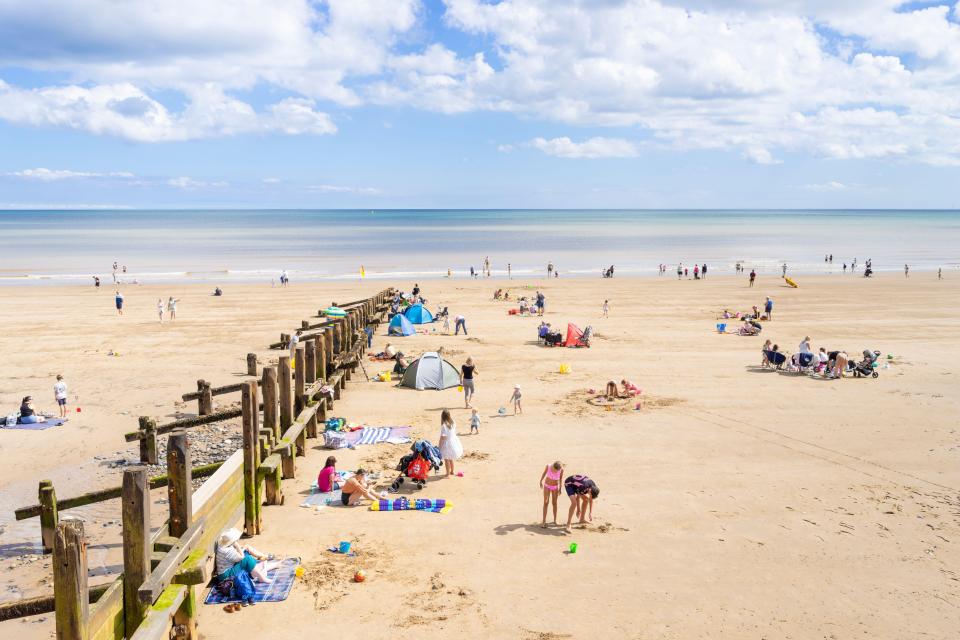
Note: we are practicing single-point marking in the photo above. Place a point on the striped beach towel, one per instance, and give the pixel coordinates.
(376, 435)
(277, 590)
(438, 505)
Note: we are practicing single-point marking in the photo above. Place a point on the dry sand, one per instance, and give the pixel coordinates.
(739, 503)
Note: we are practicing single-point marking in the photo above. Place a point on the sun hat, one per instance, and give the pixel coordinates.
(516, 386)
(228, 537)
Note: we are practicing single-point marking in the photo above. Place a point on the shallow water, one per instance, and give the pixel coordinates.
(230, 245)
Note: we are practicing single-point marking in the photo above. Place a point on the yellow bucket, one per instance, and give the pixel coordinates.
(564, 368)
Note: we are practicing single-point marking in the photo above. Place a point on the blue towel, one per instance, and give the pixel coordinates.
(276, 591)
(38, 426)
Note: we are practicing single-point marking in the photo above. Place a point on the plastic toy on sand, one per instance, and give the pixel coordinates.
(573, 547)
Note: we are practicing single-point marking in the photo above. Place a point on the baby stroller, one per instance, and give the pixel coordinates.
(865, 368)
(416, 465)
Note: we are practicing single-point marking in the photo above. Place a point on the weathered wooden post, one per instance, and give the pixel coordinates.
(205, 400)
(185, 618)
(300, 379)
(135, 506)
(179, 484)
(269, 384)
(251, 462)
(304, 325)
(71, 598)
(310, 370)
(286, 393)
(319, 357)
(251, 364)
(48, 514)
(148, 440)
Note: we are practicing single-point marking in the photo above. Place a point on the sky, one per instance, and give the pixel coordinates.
(376, 104)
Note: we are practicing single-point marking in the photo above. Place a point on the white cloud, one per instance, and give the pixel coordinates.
(333, 188)
(591, 148)
(49, 175)
(184, 182)
(832, 185)
(760, 155)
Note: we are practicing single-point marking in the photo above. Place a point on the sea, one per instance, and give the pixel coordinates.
(244, 245)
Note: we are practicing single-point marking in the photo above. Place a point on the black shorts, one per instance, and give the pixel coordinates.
(62, 402)
(346, 498)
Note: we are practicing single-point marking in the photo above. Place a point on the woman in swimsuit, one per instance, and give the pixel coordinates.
(550, 481)
(582, 491)
(355, 489)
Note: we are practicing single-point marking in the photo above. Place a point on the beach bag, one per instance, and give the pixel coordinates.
(243, 588)
(418, 468)
(334, 440)
(225, 587)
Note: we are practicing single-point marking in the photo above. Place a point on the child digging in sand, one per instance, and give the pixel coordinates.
(550, 481)
(515, 399)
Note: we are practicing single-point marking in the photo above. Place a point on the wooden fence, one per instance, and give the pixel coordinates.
(156, 596)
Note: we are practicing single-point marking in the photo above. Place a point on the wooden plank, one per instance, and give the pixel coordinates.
(156, 624)
(160, 578)
(270, 464)
(185, 423)
(71, 599)
(106, 616)
(136, 543)
(111, 493)
(42, 604)
(180, 486)
(214, 391)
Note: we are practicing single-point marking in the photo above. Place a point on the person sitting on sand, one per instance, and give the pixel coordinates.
(611, 392)
(523, 306)
(28, 415)
(355, 489)
(402, 363)
(232, 558)
(582, 491)
(823, 360)
(389, 351)
(498, 294)
(750, 328)
(327, 480)
(550, 481)
(630, 389)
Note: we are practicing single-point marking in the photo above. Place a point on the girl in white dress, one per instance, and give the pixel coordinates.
(450, 447)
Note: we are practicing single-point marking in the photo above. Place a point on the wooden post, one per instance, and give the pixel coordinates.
(185, 618)
(287, 463)
(148, 440)
(328, 350)
(300, 378)
(269, 384)
(251, 516)
(251, 364)
(311, 428)
(179, 486)
(310, 371)
(48, 514)
(286, 393)
(337, 338)
(205, 401)
(135, 506)
(71, 600)
(304, 324)
(319, 357)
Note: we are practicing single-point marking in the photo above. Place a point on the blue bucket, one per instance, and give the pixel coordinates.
(344, 547)
(721, 327)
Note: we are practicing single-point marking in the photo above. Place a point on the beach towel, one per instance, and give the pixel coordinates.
(276, 591)
(320, 499)
(376, 435)
(38, 426)
(418, 504)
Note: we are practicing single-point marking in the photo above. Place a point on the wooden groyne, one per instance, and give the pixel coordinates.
(155, 598)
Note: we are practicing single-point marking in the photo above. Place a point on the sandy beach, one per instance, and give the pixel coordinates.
(739, 502)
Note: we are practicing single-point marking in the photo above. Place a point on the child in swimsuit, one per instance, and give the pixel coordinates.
(550, 481)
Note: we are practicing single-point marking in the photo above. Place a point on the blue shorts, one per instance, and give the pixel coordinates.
(62, 402)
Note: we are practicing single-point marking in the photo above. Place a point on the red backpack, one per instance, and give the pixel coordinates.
(418, 468)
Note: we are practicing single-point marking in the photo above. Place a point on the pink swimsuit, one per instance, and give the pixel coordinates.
(554, 475)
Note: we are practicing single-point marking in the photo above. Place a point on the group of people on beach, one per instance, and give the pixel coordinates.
(831, 364)
(699, 271)
(581, 490)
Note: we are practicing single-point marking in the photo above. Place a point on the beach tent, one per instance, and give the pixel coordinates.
(418, 314)
(400, 326)
(573, 336)
(430, 371)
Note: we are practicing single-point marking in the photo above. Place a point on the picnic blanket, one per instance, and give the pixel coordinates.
(321, 499)
(438, 505)
(38, 426)
(276, 591)
(376, 435)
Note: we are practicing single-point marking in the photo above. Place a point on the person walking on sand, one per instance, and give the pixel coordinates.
(768, 308)
(606, 308)
(450, 448)
(160, 308)
(474, 422)
(679, 270)
(118, 301)
(467, 371)
(703, 270)
(515, 399)
(753, 276)
(939, 273)
(906, 271)
(294, 341)
(784, 269)
(486, 266)
(172, 308)
(509, 272)
(60, 395)
(96, 283)
(550, 481)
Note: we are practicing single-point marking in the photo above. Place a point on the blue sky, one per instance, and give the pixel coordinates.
(464, 103)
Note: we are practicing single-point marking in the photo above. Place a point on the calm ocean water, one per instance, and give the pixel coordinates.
(220, 245)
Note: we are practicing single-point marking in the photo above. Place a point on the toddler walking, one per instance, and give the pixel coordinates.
(475, 422)
(515, 399)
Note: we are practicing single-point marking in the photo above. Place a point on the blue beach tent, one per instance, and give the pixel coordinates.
(418, 314)
(400, 326)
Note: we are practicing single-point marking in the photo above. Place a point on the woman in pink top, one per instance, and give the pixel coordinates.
(550, 481)
(327, 480)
